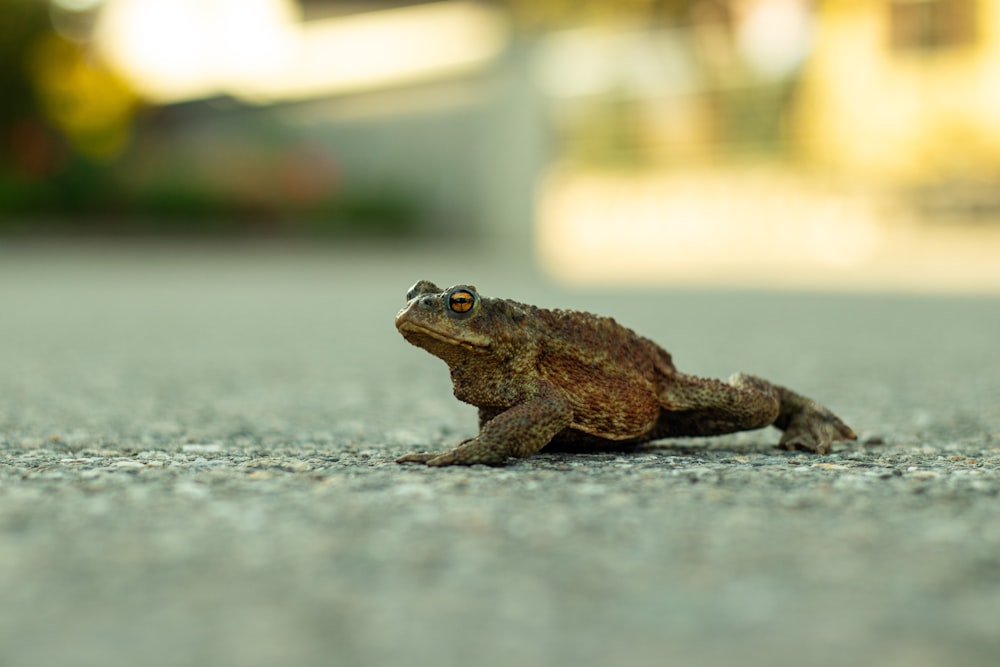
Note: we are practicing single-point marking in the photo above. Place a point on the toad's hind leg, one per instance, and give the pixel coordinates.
(701, 406)
(696, 406)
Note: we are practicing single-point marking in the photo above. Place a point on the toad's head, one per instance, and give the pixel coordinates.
(456, 323)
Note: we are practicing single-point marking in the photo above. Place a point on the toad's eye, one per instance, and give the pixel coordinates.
(461, 301)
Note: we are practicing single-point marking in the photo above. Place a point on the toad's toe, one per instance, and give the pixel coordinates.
(417, 457)
(815, 430)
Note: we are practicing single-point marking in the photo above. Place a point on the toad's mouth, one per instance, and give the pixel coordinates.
(412, 330)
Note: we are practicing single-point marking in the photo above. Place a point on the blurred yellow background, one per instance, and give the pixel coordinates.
(754, 143)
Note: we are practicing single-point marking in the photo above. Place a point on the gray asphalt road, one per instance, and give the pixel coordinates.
(196, 453)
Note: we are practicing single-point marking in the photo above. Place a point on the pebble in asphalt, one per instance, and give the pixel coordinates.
(196, 467)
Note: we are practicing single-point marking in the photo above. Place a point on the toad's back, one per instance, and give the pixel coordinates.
(613, 376)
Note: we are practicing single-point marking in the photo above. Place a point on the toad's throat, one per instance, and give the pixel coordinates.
(412, 330)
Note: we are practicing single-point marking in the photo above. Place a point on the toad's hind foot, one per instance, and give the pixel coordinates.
(813, 428)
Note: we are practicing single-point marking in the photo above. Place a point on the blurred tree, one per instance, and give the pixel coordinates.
(24, 21)
(62, 117)
(87, 102)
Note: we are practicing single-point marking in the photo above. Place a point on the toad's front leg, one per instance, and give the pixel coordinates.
(520, 431)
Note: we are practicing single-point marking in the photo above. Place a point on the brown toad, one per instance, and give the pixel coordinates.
(565, 377)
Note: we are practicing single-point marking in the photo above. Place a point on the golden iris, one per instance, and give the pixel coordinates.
(461, 301)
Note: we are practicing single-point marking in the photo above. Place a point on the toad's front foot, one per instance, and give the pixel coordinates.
(468, 453)
(814, 428)
(418, 457)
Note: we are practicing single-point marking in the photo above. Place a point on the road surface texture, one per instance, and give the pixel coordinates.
(196, 468)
